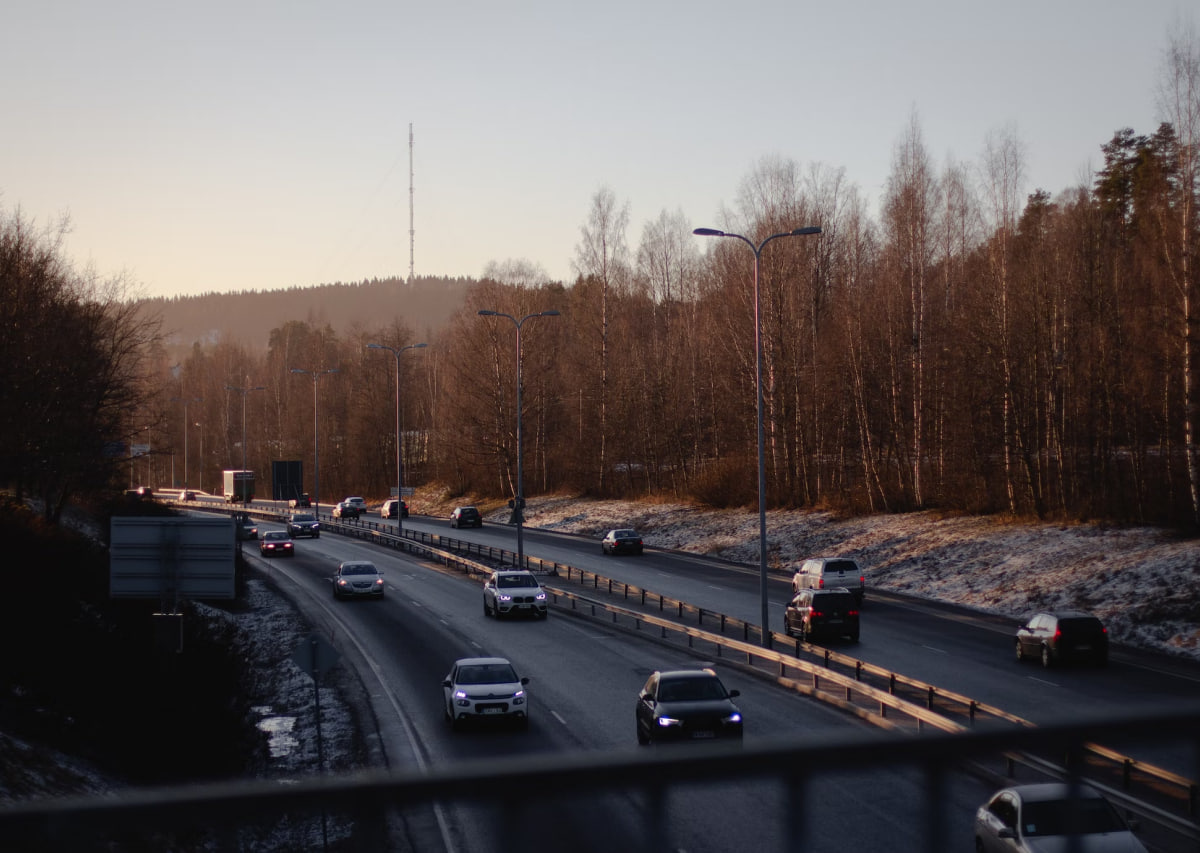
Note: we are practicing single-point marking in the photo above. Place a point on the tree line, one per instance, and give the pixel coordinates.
(974, 348)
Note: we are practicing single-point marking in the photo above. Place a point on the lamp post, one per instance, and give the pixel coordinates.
(758, 383)
(519, 498)
(244, 392)
(399, 460)
(200, 477)
(185, 401)
(315, 374)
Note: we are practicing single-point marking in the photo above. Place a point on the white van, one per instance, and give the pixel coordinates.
(831, 572)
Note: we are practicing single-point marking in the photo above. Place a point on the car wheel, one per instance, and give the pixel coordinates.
(1020, 654)
(456, 723)
(316, 536)
(854, 638)
(642, 739)
(486, 610)
(1102, 659)
(523, 723)
(1047, 658)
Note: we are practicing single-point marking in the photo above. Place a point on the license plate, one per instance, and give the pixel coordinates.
(491, 711)
(1083, 647)
(522, 606)
(702, 734)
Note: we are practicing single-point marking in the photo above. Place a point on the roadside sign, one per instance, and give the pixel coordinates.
(315, 655)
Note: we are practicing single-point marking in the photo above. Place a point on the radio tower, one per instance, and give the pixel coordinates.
(411, 232)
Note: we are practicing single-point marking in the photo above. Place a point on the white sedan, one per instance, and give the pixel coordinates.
(1043, 817)
(483, 689)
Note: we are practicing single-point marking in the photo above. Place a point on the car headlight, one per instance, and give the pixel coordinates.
(504, 596)
(541, 596)
(378, 581)
(733, 718)
(667, 722)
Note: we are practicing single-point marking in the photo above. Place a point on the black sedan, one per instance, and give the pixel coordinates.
(686, 705)
(304, 524)
(623, 541)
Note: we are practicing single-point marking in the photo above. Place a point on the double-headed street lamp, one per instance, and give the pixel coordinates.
(758, 382)
(519, 499)
(399, 461)
(244, 392)
(315, 374)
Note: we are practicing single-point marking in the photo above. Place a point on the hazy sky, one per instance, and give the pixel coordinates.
(255, 145)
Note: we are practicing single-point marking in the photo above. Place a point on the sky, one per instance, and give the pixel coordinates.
(263, 144)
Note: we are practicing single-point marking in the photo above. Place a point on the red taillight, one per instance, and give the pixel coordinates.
(821, 583)
(1057, 634)
(815, 612)
(862, 580)
(852, 613)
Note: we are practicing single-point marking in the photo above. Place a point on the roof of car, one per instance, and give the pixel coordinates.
(685, 673)
(1050, 791)
(472, 661)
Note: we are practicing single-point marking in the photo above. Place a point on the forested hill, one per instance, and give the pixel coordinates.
(247, 317)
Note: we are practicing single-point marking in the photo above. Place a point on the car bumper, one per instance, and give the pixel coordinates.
(521, 609)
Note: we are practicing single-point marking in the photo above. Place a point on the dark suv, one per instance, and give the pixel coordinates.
(466, 516)
(822, 612)
(1062, 636)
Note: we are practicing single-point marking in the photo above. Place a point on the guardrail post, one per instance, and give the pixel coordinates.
(971, 711)
(892, 684)
(929, 699)
(858, 670)
(828, 657)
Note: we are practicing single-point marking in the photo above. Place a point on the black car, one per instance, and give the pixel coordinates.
(466, 516)
(1063, 636)
(623, 541)
(304, 524)
(822, 613)
(686, 705)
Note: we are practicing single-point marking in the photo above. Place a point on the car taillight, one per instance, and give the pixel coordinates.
(815, 612)
(1057, 634)
(862, 580)
(821, 583)
(852, 612)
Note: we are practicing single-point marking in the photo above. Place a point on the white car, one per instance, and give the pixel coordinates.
(350, 508)
(514, 593)
(481, 689)
(1034, 818)
(830, 573)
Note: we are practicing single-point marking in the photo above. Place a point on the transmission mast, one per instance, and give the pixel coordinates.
(411, 231)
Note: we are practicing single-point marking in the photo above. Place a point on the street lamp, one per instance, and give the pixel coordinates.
(244, 392)
(758, 382)
(185, 401)
(200, 477)
(519, 498)
(399, 462)
(315, 374)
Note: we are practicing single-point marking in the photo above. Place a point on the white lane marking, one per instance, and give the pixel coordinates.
(933, 649)
(1043, 681)
(557, 717)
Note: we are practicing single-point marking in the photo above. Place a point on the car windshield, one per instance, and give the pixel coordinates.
(690, 690)
(1053, 817)
(624, 534)
(516, 580)
(487, 673)
(303, 518)
(359, 569)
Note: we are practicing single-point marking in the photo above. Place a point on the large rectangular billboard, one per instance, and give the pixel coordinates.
(172, 558)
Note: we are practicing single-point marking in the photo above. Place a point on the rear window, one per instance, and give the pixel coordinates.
(1077, 627)
(840, 600)
(841, 566)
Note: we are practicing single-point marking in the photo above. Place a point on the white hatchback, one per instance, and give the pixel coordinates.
(482, 689)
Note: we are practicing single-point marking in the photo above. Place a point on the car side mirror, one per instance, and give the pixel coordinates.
(525, 680)
(733, 693)
(446, 683)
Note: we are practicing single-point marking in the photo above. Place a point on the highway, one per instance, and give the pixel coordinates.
(585, 677)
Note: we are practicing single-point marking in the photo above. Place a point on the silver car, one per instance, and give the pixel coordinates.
(358, 579)
(1029, 818)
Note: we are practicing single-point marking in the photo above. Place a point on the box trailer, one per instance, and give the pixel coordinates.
(239, 486)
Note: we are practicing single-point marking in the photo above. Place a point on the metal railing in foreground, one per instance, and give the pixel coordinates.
(518, 784)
